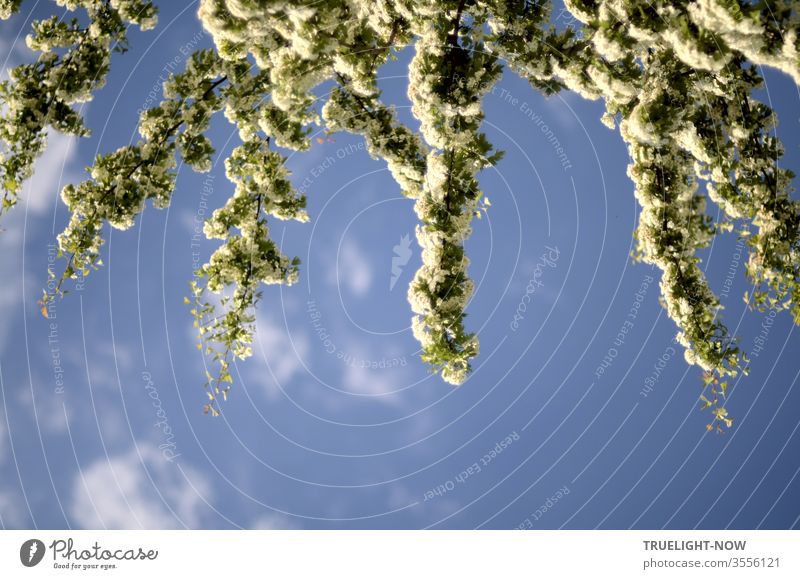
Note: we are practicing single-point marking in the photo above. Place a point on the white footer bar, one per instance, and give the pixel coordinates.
(406, 554)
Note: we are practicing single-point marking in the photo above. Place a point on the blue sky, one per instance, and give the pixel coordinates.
(335, 423)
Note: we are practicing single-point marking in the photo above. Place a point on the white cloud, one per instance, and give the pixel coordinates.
(352, 269)
(375, 384)
(118, 493)
(51, 172)
(375, 369)
(273, 521)
(13, 52)
(282, 352)
(3, 439)
(110, 360)
(49, 412)
(11, 272)
(39, 193)
(560, 107)
(11, 511)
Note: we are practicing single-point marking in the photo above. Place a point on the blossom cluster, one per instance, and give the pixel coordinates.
(448, 76)
(73, 61)
(677, 78)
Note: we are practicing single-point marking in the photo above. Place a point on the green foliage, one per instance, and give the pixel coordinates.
(677, 79)
(72, 63)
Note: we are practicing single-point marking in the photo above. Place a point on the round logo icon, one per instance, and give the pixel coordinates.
(31, 553)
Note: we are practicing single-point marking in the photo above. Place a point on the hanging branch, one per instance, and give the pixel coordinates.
(677, 79)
